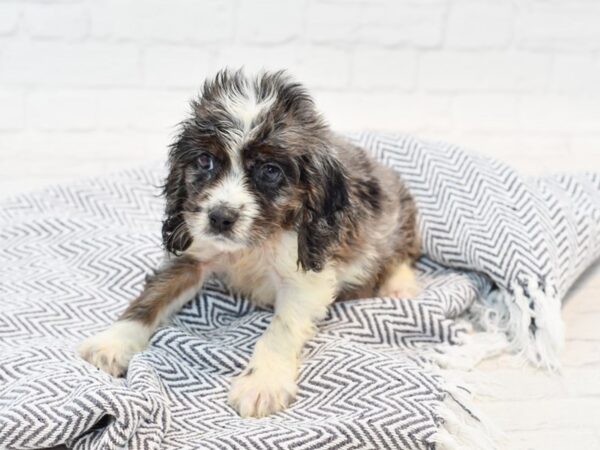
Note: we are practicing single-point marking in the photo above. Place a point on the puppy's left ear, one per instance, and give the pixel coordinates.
(324, 210)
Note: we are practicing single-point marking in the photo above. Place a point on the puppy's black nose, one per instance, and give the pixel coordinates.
(222, 219)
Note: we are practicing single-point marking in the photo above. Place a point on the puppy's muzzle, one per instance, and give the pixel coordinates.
(222, 219)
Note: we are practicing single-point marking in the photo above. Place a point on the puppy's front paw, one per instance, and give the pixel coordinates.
(257, 393)
(111, 349)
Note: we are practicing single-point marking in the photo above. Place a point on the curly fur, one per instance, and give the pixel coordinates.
(262, 193)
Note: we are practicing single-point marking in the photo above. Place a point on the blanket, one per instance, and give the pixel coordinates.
(499, 250)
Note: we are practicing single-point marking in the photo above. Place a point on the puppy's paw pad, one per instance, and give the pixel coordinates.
(111, 350)
(254, 394)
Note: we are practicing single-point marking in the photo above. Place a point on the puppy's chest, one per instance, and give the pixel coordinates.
(260, 272)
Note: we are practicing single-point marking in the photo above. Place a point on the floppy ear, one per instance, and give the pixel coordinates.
(323, 211)
(175, 234)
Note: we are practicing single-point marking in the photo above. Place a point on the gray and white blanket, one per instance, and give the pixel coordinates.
(499, 249)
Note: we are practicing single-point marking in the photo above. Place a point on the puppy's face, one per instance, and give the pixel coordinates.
(252, 160)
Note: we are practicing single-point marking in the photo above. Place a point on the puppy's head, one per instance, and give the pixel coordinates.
(254, 159)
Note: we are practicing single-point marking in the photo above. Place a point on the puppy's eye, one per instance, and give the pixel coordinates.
(270, 173)
(206, 162)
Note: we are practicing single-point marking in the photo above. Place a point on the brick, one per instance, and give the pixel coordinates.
(575, 72)
(77, 153)
(176, 66)
(9, 18)
(175, 21)
(567, 113)
(487, 112)
(529, 153)
(254, 24)
(475, 24)
(255, 58)
(70, 64)
(62, 110)
(142, 110)
(58, 157)
(559, 25)
(411, 113)
(333, 22)
(57, 20)
(392, 23)
(384, 69)
(12, 110)
(477, 71)
(324, 67)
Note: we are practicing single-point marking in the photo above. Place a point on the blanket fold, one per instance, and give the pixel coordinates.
(531, 237)
(49, 397)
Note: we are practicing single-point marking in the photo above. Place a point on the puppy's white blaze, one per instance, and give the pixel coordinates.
(245, 107)
(233, 192)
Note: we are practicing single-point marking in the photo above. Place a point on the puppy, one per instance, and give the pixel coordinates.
(263, 194)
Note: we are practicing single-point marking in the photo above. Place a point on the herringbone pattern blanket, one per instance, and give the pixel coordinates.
(502, 248)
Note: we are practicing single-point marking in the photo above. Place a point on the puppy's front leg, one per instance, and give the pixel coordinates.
(165, 292)
(268, 384)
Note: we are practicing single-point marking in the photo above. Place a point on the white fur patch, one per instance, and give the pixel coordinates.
(232, 191)
(269, 385)
(111, 349)
(245, 106)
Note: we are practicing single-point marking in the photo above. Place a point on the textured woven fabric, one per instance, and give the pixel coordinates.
(71, 257)
(531, 237)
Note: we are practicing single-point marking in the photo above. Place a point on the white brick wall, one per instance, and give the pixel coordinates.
(94, 85)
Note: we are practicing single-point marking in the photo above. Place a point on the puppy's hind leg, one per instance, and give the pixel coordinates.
(165, 292)
(401, 282)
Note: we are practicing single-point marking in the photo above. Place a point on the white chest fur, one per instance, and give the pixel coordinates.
(260, 272)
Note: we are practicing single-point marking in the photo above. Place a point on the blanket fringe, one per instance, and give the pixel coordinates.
(529, 317)
(459, 427)
(473, 348)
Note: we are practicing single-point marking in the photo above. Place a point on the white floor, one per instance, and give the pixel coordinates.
(538, 411)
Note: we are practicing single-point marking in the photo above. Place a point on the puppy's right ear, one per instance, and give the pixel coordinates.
(175, 234)
(324, 209)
